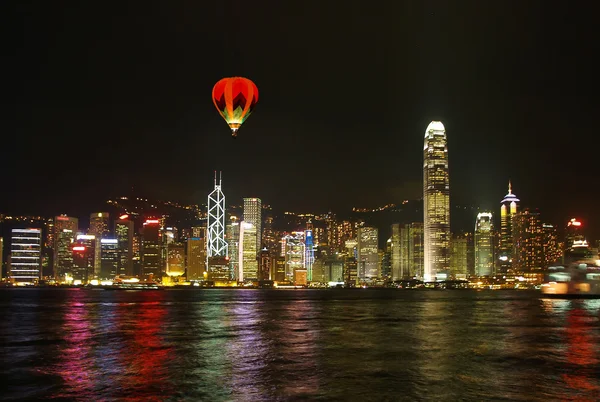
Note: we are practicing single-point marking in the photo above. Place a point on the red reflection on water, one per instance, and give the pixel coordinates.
(75, 357)
(146, 358)
(580, 352)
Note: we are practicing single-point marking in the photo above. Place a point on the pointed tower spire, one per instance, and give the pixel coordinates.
(509, 187)
(220, 177)
(215, 178)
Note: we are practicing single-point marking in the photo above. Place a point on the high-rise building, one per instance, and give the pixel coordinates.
(83, 264)
(573, 232)
(61, 223)
(550, 245)
(175, 259)
(528, 242)
(124, 234)
(99, 227)
(508, 209)
(150, 251)
(368, 253)
(109, 258)
(63, 258)
(309, 254)
(25, 255)
(412, 249)
(484, 251)
(86, 257)
(264, 265)
(436, 202)
(216, 244)
(458, 258)
(232, 235)
(196, 258)
(294, 252)
(395, 252)
(253, 215)
(248, 256)
(99, 224)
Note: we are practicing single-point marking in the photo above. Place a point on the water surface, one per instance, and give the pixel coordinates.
(269, 345)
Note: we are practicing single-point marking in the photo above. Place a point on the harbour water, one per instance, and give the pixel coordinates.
(272, 345)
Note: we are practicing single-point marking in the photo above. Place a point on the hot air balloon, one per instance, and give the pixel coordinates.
(235, 98)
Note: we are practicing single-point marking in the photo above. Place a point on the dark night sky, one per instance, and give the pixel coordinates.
(99, 97)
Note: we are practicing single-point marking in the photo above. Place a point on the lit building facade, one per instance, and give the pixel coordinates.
(109, 258)
(309, 253)
(484, 251)
(232, 235)
(83, 264)
(528, 242)
(459, 247)
(26, 255)
(99, 227)
(550, 245)
(508, 210)
(395, 252)
(63, 259)
(294, 253)
(368, 253)
(248, 255)
(61, 223)
(573, 232)
(196, 258)
(175, 259)
(124, 234)
(151, 249)
(436, 202)
(412, 251)
(216, 244)
(253, 215)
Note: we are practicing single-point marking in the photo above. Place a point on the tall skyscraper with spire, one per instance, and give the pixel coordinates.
(436, 202)
(215, 238)
(507, 211)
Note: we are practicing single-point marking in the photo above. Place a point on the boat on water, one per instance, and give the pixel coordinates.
(578, 277)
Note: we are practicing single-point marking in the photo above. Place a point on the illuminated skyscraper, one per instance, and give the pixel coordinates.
(551, 247)
(232, 236)
(109, 258)
(216, 244)
(25, 255)
(248, 256)
(294, 252)
(395, 255)
(86, 256)
(253, 215)
(99, 228)
(484, 252)
(368, 253)
(507, 211)
(528, 242)
(309, 254)
(573, 232)
(62, 222)
(411, 251)
(150, 250)
(175, 259)
(124, 234)
(99, 224)
(83, 264)
(459, 246)
(436, 201)
(63, 259)
(196, 258)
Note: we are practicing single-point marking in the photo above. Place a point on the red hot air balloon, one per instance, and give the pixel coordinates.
(235, 99)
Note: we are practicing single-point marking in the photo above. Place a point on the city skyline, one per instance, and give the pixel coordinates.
(524, 97)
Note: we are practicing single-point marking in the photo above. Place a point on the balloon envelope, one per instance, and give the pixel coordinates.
(235, 98)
